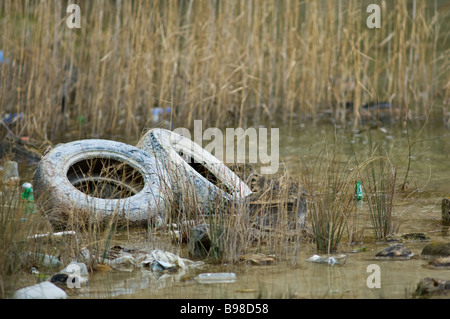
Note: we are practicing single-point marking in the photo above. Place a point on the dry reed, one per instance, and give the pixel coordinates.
(219, 61)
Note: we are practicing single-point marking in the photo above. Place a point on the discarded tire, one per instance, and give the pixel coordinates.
(100, 178)
(196, 175)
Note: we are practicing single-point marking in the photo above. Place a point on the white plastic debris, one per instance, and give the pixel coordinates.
(332, 260)
(122, 261)
(216, 278)
(74, 266)
(58, 234)
(43, 290)
(160, 260)
(46, 260)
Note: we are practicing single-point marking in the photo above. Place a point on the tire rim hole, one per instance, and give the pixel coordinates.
(105, 178)
(205, 172)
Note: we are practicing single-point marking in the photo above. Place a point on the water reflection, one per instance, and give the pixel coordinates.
(418, 208)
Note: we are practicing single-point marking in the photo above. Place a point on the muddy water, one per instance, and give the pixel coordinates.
(419, 210)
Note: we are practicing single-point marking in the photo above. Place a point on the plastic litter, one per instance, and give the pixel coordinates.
(43, 290)
(358, 191)
(159, 260)
(12, 118)
(58, 234)
(2, 58)
(46, 260)
(73, 275)
(80, 266)
(216, 278)
(160, 111)
(332, 260)
(11, 173)
(28, 197)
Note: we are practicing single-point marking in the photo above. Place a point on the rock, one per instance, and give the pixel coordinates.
(396, 251)
(400, 238)
(441, 262)
(446, 210)
(258, 259)
(43, 290)
(433, 250)
(430, 287)
(415, 237)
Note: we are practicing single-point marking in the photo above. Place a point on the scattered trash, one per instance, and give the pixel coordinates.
(124, 263)
(45, 260)
(358, 191)
(3, 60)
(216, 278)
(43, 290)
(158, 112)
(27, 195)
(332, 260)
(159, 260)
(34, 271)
(395, 251)
(190, 183)
(12, 118)
(57, 234)
(81, 266)
(101, 177)
(11, 173)
(74, 274)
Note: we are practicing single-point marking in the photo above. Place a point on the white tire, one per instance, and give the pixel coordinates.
(184, 160)
(102, 178)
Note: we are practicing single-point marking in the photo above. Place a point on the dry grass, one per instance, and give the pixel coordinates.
(218, 61)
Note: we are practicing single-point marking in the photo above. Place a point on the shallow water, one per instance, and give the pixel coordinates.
(419, 210)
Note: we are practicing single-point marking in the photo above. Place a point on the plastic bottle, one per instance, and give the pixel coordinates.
(28, 197)
(216, 278)
(358, 191)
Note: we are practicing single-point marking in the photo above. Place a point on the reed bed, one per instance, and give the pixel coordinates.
(219, 61)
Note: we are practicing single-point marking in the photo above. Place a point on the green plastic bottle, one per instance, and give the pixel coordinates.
(358, 191)
(28, 197)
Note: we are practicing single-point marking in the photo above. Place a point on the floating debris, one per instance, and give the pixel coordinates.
(58, 234)
(332, 260)
(216, 278)
(43, 290)
(159, 260)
